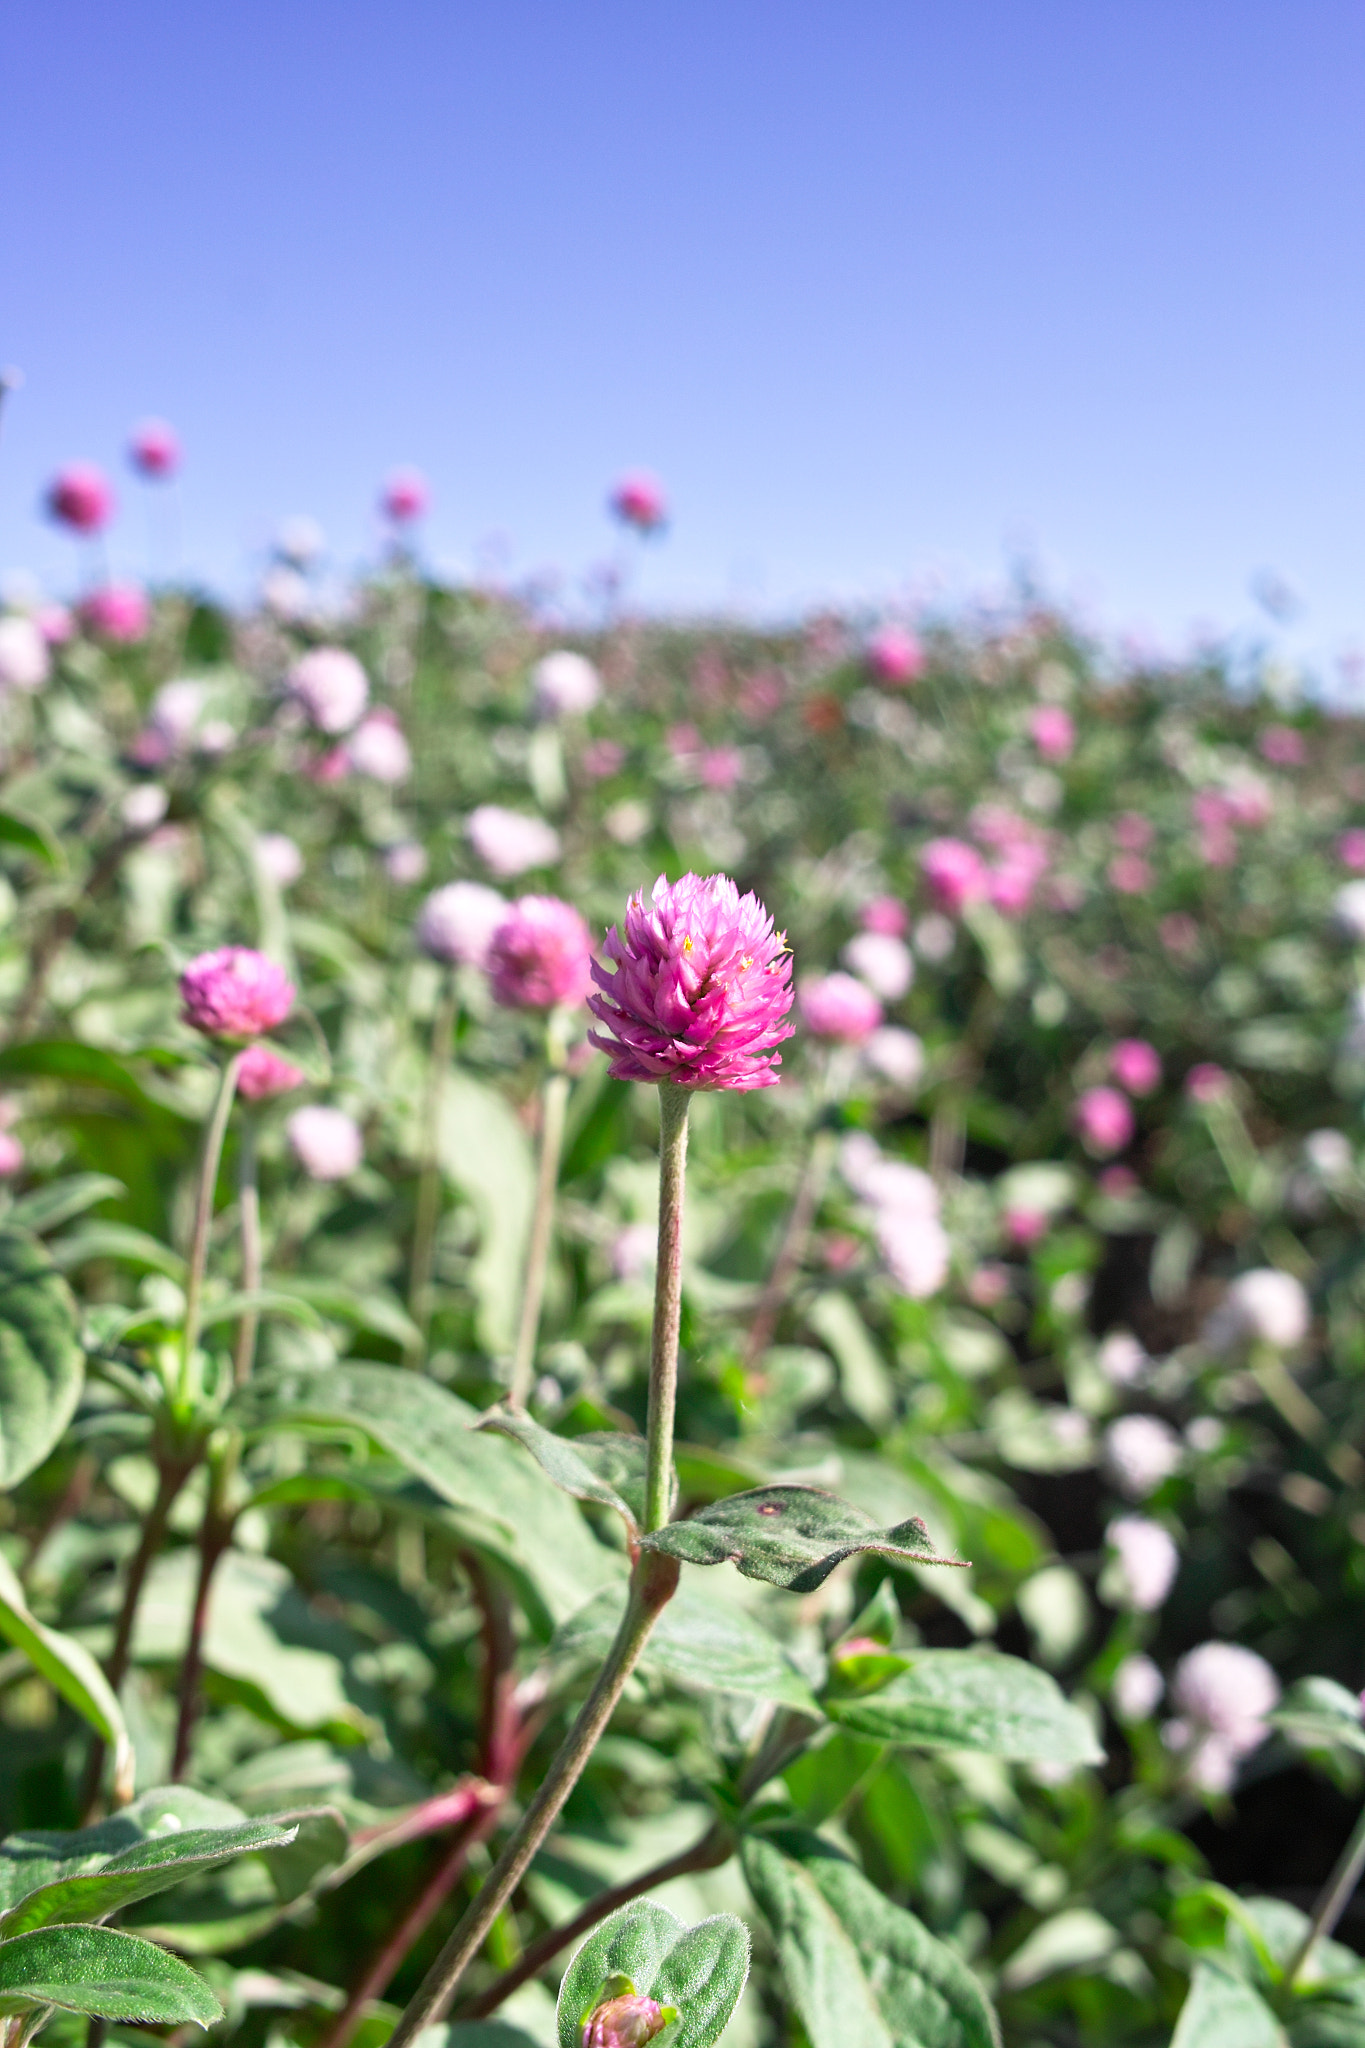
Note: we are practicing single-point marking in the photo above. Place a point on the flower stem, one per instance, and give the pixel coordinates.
(653, 1584)
(1332, 1900)
(215, 1535)
(554, 1104)
(674, 1104)
(249, 1223)
(214, 1133)
(428, 1214)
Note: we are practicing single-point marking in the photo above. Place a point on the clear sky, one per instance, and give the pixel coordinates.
(882, 289)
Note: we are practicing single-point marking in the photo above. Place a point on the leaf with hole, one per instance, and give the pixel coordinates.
(42, 1365)
(70, 1670)
(792, 1536)
(974, 1699)
(699, 1970)
(103, 1972)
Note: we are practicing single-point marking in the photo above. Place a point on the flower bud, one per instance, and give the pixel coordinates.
(624, 2018)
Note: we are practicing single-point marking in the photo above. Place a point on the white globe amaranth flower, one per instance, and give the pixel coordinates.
(1146, 1561)
(456, 924)
(1141, 1451)
(25, 663)
(916, 1251)
(1264, 1306)
(565, 684)
(1329, 1155)
(405, 862)
(1224, 1692)
(883, 961)
(510, 842)
(144, 806)
(904, 1202)
(377, 748)
(327, 1143)
(935, 936)
(896, 1055)
(1136, 1688)
(176, 710)
(331, 687)
(279, 857)
(300, 540)
(1122, 1359)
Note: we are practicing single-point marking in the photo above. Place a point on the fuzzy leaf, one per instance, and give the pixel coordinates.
(69, 1669)
(137, 1872)
(792, 1536)
(701, 1970)
(98, 1970)
(699, 1642)
(42, 1366)
(603, 1466)
(974, 1699)
(1223, 2012)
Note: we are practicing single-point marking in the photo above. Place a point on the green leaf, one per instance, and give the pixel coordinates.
(792, 1536)
(32, 838)
(701, 1970)
(65, 1059)
(603, 1466)
(486, 1152)
(230, 1308)
(70, 1670)
(476, 2034)
(47, 1207)
(1320, 1714)
(42, 1365)
(118, 1241)
(138, 1872)
(974, 1699)
(862, 1972)
(228, 1905)
(863, 1377)
(363, 1308)
(699, 1642)
(1223, 2012)
(100, 1971)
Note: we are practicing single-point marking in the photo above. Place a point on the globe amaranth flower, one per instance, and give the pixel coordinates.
(1141, 1451)
(1146, 1561)
(540, 957)
(279, 857)
(81, 497)
(1104, 1121)
(1224, 1693)
(884, 914)
(1052, 731)
(565, 684)
(25, 663)
(638, 500)
(838, 1008)
(883, 961)
(955, 873)
(327, 1143)
(1136, 1066)
(406, 496)
(118, 612)
(378, 748)
(1264, 1306)
(154, 450)
(456, 924)
(895, 657)
(235, 993)
(510, 842)
(330, 686)
(701, 988)
(896, 1055)
(264, 1072)
(1136, 1688)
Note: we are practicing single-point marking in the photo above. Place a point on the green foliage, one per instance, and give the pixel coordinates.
(700, 1971)
(960, 1699)
(793, 1536)
(41, 1363)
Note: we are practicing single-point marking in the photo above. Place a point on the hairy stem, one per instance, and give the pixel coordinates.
(1332, 1900)
(674, 1104)
(792, 1250)
(428, 1214)
(214, 1133)
(215, 1535)
(653, 1583)
(554, 1104)
(249, 1223)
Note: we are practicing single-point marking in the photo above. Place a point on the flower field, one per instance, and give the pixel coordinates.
(972, 1638)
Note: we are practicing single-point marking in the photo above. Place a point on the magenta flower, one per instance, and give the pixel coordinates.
(1130, 874)
(81, 497)
(235, 993)
(639, 501)
(701, 990)
(955, 872)
(895, 657)
(1282, 746)
(1351, 849)
(1104, 1121)
(264, 1073)
(628, 2021)
(1206, 1082)
(405, 497)
(541, 955)
(1136, 1066)
(11, 1155)
(119, 611)
(1132, 832)
(838, 1008)
(1053, 732)
(885, 914)
(154, 450)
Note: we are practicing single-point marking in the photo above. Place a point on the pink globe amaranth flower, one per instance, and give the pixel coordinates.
(1118, 1183)
(1141, 1451)
(378, 749)
(1351, 849)
(1103, 1120)
(1227, 1690)
(81, 497)
(456, 924)
(1053, 732)
(154, 449)
(701, 990)
(1282, 746)
(331, 687)
(405, 863)
(280, 858)
(540, 957)
(682, 740)
(1132, 832)
(405, 497)
(565, 684)
(1206, 1082)
(1024, 1227)
(1130, 874)
(955, 873)
(603, 758)
(510, 842)
(885, 914)
(1179, 933)
(327, 1143)
(1136, 1687)
(1136, 1066)
(1010, 887)
(55, 623)
(721, 767)
(235, 993)
(11, 1155)
(265, 1072)
(25, 663)
(118, 612)
(839, 1008)
(885, 963)
(895, 657)
(638, 500)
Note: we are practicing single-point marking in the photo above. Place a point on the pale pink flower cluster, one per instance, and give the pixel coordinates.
(1147, 1561)
(510, 842)
(1141, 1451)
(330, 687)
(235, 993)
(1224, 1693)
(904, 1204)
(279, 857)
(885, 915)
(1053, 732)
(1206, 1083)
(955, 874)
(701, 988)
(456, 924)
(25, 663)
(1218, 813)
(327, 1143)
(1263, 1306)
(565, 684)
(1283, 746)
(405, 496)
(839, 1009)
(1136, 1688)
(1351, 849)
(896, 1055)
(540, 957)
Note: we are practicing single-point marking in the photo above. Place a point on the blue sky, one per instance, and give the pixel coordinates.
(885, 291)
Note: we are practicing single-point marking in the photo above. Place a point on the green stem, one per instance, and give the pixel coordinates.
(428, 1214)
(555, 1103)
(249, 1223)
(674, 1104)
(1333, 1899)
(215, 1535)
(214, 1134)
(653, 1583)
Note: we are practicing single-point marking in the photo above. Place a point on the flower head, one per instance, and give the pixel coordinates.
(264, 1073)
(701, 990)
(1052, 731)
(1104, 1121)
(154, 449)
(565, 684)
(896, 1055)
(895, 657)
(234, 993)
(1146, 1559)
(279, 857)
(955, 873)
(885, 914)
(81, 497)
(24, 659)
(626, 2019)
(378, 749)
(883, 961)
(326, 1142)
(509, 842)
(1225, 1692)
(1141, 1451)
(1263, 1306)
(839, 1008)
(405, 497)
(331, 687)
(1136, 1687)
(456, 924)
(541, 955)
(638, 501)
(119, 611)
(1351, 849)
(1136, 1066)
